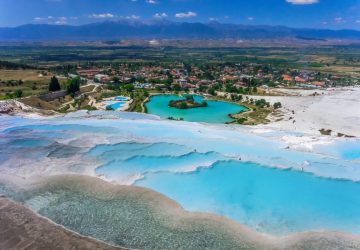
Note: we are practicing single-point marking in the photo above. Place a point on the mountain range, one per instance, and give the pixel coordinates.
(165, 30)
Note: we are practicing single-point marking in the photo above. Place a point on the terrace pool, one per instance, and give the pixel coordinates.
(224, 170)
(269, 200)
(117, 103)
(121, 98)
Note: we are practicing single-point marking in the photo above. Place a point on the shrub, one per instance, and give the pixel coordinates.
(18, 93)
(277, 105)
(73, 86)
(241, 120)
(183, 105)
(54, 84)
(261, 103)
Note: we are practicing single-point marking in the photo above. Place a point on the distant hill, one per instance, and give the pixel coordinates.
(165, 30)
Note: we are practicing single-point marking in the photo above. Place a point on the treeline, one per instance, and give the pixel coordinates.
(72, 85)
(13, 66)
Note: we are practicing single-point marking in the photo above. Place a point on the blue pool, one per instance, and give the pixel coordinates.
(269, 200)
(216, 112)
(120, 98)
(116, 105)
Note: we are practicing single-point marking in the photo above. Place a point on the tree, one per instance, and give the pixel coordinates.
(18, 93)
(211, 91)
(187, 67)
(202, 88)
(230, 88)
(73, 85)
(129, 88)
(177, 87)
(277, 105)
(260, 103)
(183, 105)
(146, 93)
(54, 84)
(116, 80)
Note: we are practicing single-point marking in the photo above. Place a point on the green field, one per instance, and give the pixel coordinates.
(339, 59)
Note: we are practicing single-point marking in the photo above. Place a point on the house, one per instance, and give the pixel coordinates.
(204, 82)
(190, 86)
(102, 78)
(227, 78)
(89, 73)
(72, 75)
(298, 79)
(143, 85)
(318, 84)
(182, 82)
(287, 78)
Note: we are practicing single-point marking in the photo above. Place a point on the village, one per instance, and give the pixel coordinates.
(237, 78)
(129, 86)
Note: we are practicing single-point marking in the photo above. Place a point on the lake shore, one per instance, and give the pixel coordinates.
(20, 220)
(20, 229)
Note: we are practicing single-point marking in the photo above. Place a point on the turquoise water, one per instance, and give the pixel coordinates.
(349, 149)
(116, 105)
(269, 200)
(197, 165)
(117, 102)
(216, 112)
(120, 98)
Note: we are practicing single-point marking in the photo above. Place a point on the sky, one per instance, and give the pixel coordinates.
(330, 14)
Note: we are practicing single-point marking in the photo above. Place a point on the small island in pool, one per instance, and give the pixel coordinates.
(187, 103)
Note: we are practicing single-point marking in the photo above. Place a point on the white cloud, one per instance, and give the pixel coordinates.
(52, 20)
(133, 17)
(357, 21)
(102, 16)
(160, 15)
(60, 22)
(185, 15)
(339, 20)
(250, 18)
(151, 1)
(302, 2)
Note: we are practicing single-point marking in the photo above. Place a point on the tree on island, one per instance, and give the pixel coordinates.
(54, 84)
(183, 105)
(187, 103)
